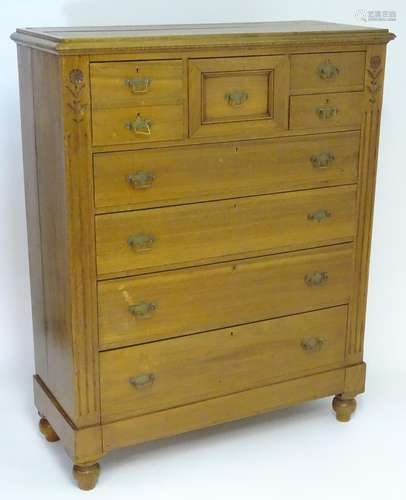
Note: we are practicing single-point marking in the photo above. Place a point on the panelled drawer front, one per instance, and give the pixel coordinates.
(137, 102)
(324, 112)
(174, 303)
(327, 72)
(145, 239)
(238, 96)
(151, 377)
(177, 175)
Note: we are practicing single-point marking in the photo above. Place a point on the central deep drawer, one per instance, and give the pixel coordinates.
(174, 303)
(177, 236)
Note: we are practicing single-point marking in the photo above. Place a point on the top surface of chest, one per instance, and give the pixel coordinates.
(120, 38)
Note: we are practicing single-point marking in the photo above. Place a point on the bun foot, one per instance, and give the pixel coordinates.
(86, 475)
(344, 408)
(47, 430)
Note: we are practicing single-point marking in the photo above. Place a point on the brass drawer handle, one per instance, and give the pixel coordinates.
(236, 98)
(141, 179)
(142, 380)
(138, 85)
(326, 112)
(319, 215)
(142, 310)
(316, 278)
(328, 70)
(140, 126)
(322, 160)
(141, 242)
(312, 344)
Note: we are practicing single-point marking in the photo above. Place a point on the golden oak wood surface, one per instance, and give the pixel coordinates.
(327, 72)
(172, 176)
(213, 108)
(113, 126)
(181, 235)
(209, 297)
(248, 152)
(147, 378)
(221, 409)
(200, 36)
(322, 112)
(129, 84)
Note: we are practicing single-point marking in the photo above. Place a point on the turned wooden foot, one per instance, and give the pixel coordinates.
(86, 475)
(344, 408)
(47, 430)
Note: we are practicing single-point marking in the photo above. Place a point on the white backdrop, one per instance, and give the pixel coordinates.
(281, 455)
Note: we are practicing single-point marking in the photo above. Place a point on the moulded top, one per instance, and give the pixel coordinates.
(91, 39)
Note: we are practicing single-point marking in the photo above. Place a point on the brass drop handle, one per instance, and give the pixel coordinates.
(326, 112)
(138, 85)
(142, 310)
(327, 70)
(319, 215)
(141, 242)
(142, 380)
(236, 98)
(312, 344)
(316, 278)
(140, 126)
(322, 160)
(141, 179)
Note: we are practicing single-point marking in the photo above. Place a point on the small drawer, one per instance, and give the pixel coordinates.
(327, 72)
(238, 96)
(136, 102)
(152, 377)
(325, 112)
(130, 84)
(137, 124)
(172, 176)
(132, 242)
(175, 303)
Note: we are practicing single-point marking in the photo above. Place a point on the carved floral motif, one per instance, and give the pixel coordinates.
(79, 108)
(374, 72)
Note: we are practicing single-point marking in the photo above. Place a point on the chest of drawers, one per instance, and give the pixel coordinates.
(199, 207)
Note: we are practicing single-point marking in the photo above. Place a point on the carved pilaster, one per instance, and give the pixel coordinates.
(375, 62)
(82, 258)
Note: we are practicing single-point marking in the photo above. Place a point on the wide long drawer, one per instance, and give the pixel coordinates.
(142, 379)
(173, 303)
(141, 240)
(170, 176)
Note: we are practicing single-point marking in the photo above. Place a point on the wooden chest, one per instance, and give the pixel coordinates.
(199, 207)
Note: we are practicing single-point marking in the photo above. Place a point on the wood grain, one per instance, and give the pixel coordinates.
(305, 77)
(106, 40)
(227, 170)
(303, 111)
(208, 297)
(219, 410)
(81, 281)
(367, 180)
(32, 209)
(219, 362)
(206, 232)
(110, 125)
(238, 280)
(266, 107)
(109, 88)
